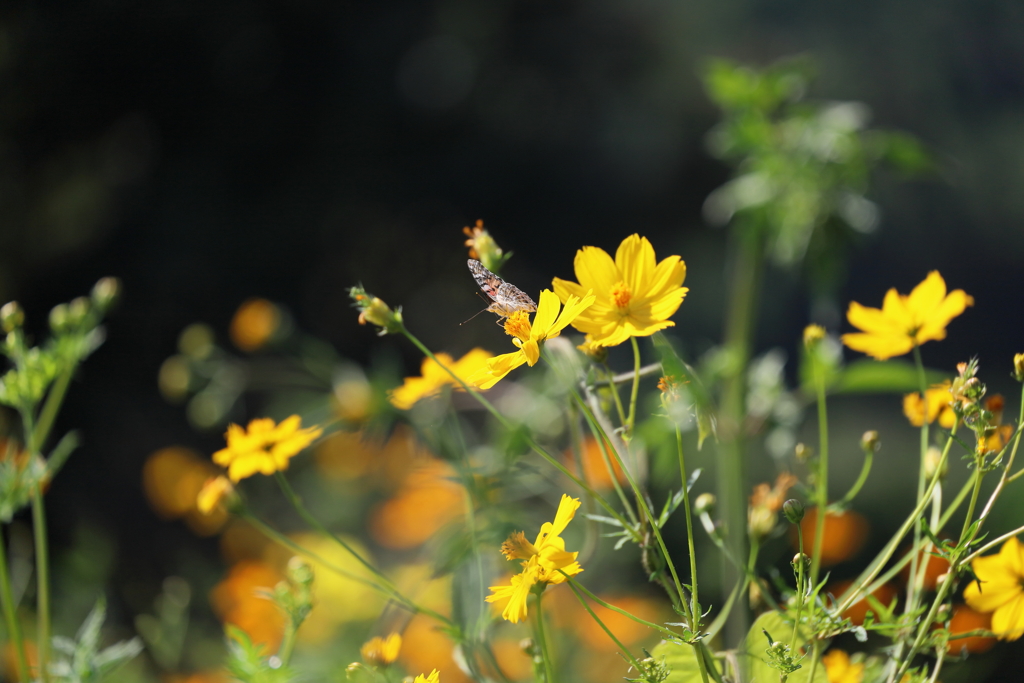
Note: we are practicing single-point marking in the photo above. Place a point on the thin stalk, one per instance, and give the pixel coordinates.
(821, 482)
(615, 393)
(625, 651)
(1003, 480)
(799, 585)
(695, 606)
(635, 391)
(42, 582)
(869, 457)
(576, 441)
(288, 642)
(913, 588)
(470, 513)
(542, 640)
(11, 616)
(50, 409)
(603, 448)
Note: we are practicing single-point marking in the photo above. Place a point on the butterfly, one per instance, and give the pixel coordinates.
(507, 297)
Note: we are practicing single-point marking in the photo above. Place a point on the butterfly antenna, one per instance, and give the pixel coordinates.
(473, 316)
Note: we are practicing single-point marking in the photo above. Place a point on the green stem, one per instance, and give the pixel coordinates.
(11, 616)
(576, 438)
(287, 643)
(800, 590)
(42, 582)
(869, 457)
(615, 394)
(913, 589)
(821, 482)
(631, 420)
(695, 603)
(542, 640)
(599, 438)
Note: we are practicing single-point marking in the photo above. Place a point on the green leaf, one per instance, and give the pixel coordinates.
(681, 661)
(882, 377)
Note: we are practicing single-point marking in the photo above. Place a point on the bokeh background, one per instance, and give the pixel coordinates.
(208, 153)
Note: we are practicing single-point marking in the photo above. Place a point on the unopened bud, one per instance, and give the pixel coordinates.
(705, 503)
(932, 462)
(105, 293)
(812, 335)
(869, 443)
(794, 510)
(761, 521)
(802, 452)
(353, 669)
(11, 316)
(1018, 367)
(373, 310)
(300, 571)
(801, 558)
(528, 647)
(77, 310)
(59, 317)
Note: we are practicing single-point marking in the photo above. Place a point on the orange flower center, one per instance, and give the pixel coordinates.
(621, 295)
(518, 325)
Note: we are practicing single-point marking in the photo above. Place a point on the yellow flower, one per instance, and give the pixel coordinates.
(541, 561)
(434, 377)
(840, 669)
(254, 324)
(813, 334)
(635, 295)
(214, 492)
(434, 677)
(1001, 589)
(905, 321)
(381, 651)
(264, 447)
(938, 398)
(547, 324)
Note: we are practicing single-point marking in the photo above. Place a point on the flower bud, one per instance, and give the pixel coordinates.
(761, 521)
(802, 452)
(78, 309)
(217, 492)
(801, 558)
(59, 318)
(812, 335)
(105, 293)
(300, 571)
(11, 316)
(869, 443)
(1018, 367)
(483, 247)
(705, 503)
(353, 669)
(375, 311)
(794, 510)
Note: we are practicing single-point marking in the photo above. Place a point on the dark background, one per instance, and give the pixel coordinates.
(289, 150)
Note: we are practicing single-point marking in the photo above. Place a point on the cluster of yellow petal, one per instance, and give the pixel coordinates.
(938, 399)
(840, 669)
(434, 677)
(379, 651)
(1000, 589)
(543, 562)
(905, 321)
(635, 295)
(549, 321)
(263, 447)
(434, 377)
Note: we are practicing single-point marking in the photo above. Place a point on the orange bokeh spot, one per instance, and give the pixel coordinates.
(10, 666)
(859, 610)
(237, 600)
(172, 478)
(426, 501)
(845, 534)
(595, 472)
(514, 663)
(937, 566)
(624, 628)
(198, 677)
(425, 647)
(965, 619)
(255, 322)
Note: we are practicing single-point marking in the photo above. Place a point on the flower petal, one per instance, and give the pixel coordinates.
(566, 288)
(878, 346)
(547, 313)
(926, 297)
(636, 262)
(496, 369)
(573, 308)
(874, 320)
(934, 325)
(596, 270)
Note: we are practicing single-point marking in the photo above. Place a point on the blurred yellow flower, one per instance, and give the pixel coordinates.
(172, 479)
(840, 669)
(905, 321)
(427, 500)
(1000, 589)
(426, 646)
(254, 323)
(435, 377)
(541, 561)
(938, 398)
(213, 494)
(379, 651)
(432, 678)
(547, 324)
(264, 447)
(635, 295)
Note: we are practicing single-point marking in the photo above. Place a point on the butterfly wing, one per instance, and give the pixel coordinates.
(490, 283)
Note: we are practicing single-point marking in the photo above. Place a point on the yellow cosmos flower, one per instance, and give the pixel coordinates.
(434, 677)
(541, 561)
(938, 398)
(434, 377)
(905, 321)
(379, 651)
(547, 324)
(840, 669)
(1001, 589)
(263, 447)
(635, 295)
